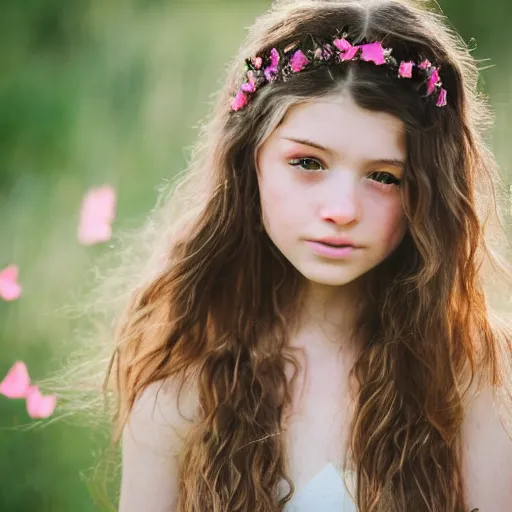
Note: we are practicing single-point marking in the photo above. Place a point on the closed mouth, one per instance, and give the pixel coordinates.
(332, 245)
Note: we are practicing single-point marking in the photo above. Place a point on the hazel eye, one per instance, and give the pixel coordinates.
(387, 178)
(307, 164)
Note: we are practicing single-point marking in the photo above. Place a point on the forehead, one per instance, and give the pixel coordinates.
(339, 124)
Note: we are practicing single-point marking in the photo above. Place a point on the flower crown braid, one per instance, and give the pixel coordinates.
(276, 65)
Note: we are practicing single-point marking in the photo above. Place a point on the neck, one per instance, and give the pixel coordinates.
(326, 317)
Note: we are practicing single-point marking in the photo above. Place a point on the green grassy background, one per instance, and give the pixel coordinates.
(95, 92)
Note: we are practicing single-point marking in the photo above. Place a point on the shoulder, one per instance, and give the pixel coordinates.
(486, 453)
(151, 444)
(163, 412)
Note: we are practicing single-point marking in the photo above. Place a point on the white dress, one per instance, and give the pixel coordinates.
(325, 492)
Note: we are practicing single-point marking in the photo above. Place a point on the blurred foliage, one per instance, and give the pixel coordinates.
(93, 92)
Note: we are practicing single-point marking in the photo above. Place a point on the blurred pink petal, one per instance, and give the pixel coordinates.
(9, 288)
(95, 233)
(96, 216)
(16, 383)
(39, 406)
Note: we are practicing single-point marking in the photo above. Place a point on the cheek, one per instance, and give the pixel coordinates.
(393, 226)
(279, 203)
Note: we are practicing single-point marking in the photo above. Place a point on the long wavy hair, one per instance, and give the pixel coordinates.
(213, 306)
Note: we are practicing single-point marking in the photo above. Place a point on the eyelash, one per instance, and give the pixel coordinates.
(296, 162)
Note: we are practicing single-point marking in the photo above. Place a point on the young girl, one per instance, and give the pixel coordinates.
(317, 335)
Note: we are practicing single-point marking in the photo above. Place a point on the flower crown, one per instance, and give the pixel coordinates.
(280, 66)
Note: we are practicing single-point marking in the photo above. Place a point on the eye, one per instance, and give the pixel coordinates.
(306, 164)
(386, 179)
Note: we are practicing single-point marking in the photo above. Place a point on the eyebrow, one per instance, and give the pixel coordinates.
(380, 161)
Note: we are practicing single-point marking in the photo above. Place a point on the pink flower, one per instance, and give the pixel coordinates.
(328, 51)
(319, 54)
(349, 54)
(298, 61)
(249, 86)
(405, 69)
(274, 58)
(348, 51)
(239, 101)
(96, 215)
(425, 64)
(39, 406)
(16, 383)
(9, 288)
(271, 71)
(342, 44)
(432, 81)
(257, 61)
(373, 52)
(441, 100)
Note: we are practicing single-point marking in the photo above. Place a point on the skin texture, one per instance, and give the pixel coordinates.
(339, 195)
(342, 190)
(336, 193)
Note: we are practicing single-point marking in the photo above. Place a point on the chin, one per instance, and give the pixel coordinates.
(330, 277)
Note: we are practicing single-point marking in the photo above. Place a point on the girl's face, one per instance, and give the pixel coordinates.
(331, 169)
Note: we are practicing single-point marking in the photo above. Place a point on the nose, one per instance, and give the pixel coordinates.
(341, 203)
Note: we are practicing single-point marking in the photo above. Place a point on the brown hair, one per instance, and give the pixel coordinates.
(214, 308)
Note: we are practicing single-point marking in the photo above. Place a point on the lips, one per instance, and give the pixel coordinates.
(334, 241)
(338, 252)
(333, 245)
